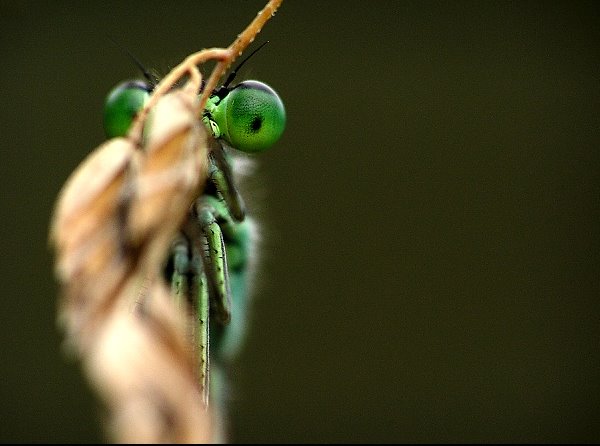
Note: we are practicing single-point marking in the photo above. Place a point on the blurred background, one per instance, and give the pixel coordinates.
(430, 246)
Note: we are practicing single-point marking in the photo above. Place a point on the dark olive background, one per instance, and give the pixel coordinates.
(430, 267)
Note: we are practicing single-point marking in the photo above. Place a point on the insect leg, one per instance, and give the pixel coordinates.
(179, 279)
(209, 211)
(202, 306)
(222, 178)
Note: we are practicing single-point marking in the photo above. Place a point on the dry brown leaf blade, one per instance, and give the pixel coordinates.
(86, 231)
(112, 228)
(88, 202)
(173, 167)
(140, 362)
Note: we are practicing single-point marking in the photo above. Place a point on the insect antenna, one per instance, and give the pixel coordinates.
(150, 77)
(223, 89)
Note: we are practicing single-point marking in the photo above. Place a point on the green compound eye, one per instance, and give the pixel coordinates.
(122, 104)
(251, 117)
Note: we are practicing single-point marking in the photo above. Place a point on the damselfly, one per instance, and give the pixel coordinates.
(208, 268)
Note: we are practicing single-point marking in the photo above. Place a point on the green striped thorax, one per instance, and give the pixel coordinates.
(250, 116)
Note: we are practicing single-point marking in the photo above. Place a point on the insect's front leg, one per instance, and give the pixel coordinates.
(181, 267)
(221, 178)
(189, 288)
(200, 293)
(211, 212)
